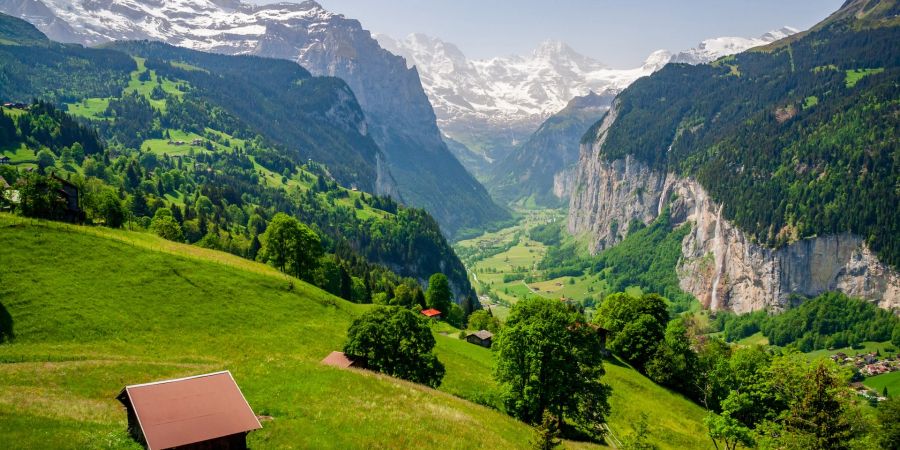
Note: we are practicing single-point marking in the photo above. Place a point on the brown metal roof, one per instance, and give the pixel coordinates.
(483, 335)
(338, 359)
(184, 411)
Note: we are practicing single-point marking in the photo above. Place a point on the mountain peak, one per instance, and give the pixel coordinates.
(657, 60)
(552, 47)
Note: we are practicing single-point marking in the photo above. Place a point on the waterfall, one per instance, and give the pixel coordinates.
(719, 260)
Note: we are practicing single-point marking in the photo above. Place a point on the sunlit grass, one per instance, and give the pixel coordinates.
(854, 75)
(95, 309)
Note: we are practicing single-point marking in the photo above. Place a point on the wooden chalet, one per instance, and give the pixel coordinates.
(4, 160)
(432, 314)
(483, 338)
(70, 195)
(196, 413)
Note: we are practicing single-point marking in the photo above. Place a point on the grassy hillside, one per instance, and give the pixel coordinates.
(93, 310)
(675, 421)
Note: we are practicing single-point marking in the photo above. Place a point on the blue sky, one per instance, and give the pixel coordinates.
(620, 33)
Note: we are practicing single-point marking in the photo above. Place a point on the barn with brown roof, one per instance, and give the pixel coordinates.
(201, 412)
(344, 361)
(483, 338)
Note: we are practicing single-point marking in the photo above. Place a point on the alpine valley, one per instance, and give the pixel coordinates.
(494, 105)
(227, 224)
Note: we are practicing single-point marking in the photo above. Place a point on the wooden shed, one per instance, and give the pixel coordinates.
(344, 361)
(483, 338)
(202, 412)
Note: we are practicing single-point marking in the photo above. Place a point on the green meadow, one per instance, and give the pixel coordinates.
(889, 381)
(92, 311)
(89, 310)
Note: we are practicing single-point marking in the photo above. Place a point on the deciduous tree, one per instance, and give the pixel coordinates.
(398, 342)
(548, 359)
(438, 295)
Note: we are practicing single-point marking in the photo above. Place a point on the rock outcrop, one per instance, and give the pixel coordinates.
(720, 265)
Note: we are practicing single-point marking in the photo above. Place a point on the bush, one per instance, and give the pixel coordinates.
(167, 228)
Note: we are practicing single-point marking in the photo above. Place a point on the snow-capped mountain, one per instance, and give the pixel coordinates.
(713, 49)
(514, 95)
(226, 26)
(417, 167)
(517, 92)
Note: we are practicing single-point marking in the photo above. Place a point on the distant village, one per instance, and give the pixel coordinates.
(868, 365)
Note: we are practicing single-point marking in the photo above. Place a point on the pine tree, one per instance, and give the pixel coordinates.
(547, 436)
(820, 413)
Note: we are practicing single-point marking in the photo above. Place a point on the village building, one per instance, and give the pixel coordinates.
(432, 314)
(483, 338)
(4, 160)
(69, 194)
(8, 196)
(343, 361)
(201, 412)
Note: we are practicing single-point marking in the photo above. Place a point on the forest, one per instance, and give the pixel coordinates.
(831, 320)
(222, 194)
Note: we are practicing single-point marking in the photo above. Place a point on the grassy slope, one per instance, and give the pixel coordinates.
(83, 331)
(94, 108)
(675, 422)
(93, 313)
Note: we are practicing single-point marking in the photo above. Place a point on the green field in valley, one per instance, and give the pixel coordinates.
(891, 381)
(885, 348)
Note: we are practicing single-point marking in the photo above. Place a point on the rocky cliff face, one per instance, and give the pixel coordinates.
(720, 265)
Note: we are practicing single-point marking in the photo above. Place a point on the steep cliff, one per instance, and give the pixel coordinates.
(784, 159)
(721, 265)
(540, 168)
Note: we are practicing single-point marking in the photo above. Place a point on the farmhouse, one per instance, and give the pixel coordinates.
(4, 160)
(344, 361)
(483, 338)
(68, 192)
(432, 314)
(201, 412)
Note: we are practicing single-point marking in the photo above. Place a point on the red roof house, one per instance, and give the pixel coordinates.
(201, 412)
(432, 313)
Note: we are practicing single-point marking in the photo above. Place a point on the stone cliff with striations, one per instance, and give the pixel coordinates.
(720, 265)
